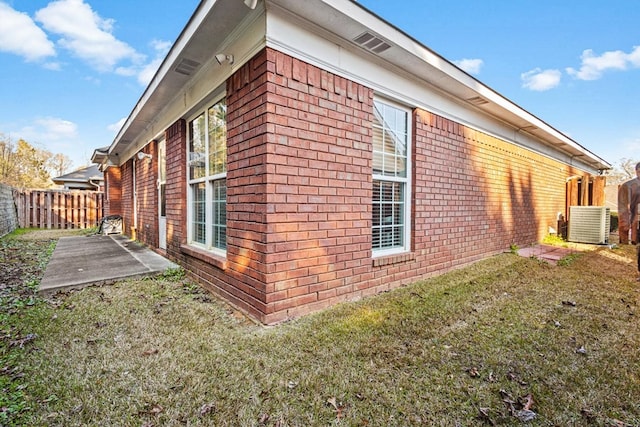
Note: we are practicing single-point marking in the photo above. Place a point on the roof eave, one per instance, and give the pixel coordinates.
(347, 19)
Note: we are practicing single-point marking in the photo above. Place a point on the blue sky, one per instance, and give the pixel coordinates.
(72, 70)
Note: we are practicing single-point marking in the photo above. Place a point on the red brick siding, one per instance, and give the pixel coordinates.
(175, 189)
(473, 196)
(248, 133)
(319, 188)
(147, 195)
(127, 197)
(113, 191)
(484, 193)
(299, 191)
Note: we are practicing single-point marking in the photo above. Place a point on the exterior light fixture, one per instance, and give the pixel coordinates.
(142, 155)
(221, 57)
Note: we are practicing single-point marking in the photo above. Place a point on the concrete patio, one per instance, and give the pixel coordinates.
(97, 260)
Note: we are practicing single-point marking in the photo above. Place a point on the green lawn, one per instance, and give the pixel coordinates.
(501, 341)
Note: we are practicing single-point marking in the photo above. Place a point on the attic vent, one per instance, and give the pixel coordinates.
(186, 66)
(478, 100)
(372, 42)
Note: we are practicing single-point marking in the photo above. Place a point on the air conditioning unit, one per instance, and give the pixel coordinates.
(589, 224)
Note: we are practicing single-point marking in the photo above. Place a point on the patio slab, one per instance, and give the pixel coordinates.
(98, 260)
(548, 253)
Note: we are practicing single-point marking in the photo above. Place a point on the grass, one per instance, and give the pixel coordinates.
(477, 346)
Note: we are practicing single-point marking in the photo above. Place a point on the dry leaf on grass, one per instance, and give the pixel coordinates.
(23, 341)
(473, 372)
(528, 402)
(525, 415)
(618, 423)
(207, 408)
(154, 410)
(484, 415)
(520, 409)
(337, 407)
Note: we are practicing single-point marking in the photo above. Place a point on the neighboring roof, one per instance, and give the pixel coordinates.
(216, 22)
(101, 157)
(86, 177)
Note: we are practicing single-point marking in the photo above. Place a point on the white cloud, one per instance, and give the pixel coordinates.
(161, 46)
(632, 145)
(540, 80)
(148, 71)
(146, 74)
(471, 66)
(86, 34)
(21, 36)
(56, 129)
(53, 66)
(115, 127)
(594, 66)
(53, 134)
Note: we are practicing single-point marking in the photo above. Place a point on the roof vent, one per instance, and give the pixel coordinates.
(372, 42)
(478, 100)
(186, 66)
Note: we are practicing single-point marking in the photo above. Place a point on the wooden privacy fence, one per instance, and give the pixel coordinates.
(59, 209)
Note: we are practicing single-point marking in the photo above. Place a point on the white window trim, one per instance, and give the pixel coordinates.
(408, 196)
(208, 180)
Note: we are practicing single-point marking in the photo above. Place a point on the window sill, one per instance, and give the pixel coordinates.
(393, 259)
(206, 256)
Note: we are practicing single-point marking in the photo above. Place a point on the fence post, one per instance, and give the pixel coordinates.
(48, 208)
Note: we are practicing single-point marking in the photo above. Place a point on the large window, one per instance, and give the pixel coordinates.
(391, 209)
(207, 179)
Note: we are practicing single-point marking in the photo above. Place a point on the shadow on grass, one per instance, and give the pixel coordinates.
(470, 347)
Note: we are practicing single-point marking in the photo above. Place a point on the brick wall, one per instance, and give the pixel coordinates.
(113, 191)
(299, 191)
(120, 188)
(126, 174)
(147, 194)
(319, 188)
(176, 190)
(248, 167)
(474, 195)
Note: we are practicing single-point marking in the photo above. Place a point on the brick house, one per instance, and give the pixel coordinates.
(292, 154)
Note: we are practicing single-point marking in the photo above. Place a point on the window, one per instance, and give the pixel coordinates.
(391, 189)
(207, 163)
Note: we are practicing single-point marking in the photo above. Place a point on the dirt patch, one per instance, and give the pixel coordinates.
(24, 257)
